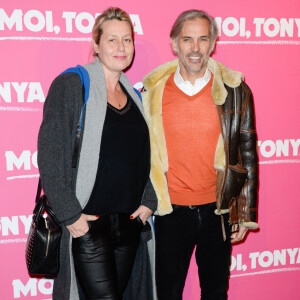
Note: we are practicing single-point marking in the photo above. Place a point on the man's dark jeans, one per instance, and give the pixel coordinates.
(177, 234)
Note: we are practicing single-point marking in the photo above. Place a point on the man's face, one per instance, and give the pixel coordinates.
(193, 47)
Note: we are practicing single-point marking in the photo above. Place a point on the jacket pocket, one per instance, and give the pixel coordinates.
(235, 180)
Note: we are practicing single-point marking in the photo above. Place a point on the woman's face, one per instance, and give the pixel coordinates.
(115, 49)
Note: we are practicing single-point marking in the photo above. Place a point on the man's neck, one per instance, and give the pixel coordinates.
(191, 76)
(187, 87)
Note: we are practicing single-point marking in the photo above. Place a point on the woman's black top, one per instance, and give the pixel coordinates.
(123, 167)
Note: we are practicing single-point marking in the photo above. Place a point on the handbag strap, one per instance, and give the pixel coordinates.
(78, 131)
(50, 212)
(41, 206)
(38, 193)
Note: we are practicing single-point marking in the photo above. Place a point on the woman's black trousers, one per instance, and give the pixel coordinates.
(104, 256)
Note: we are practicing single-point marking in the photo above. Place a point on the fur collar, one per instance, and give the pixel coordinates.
(222, 75)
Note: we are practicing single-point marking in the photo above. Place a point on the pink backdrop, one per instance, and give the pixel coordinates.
(39, 39)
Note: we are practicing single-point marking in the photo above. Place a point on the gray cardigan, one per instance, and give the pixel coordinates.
(67, 189)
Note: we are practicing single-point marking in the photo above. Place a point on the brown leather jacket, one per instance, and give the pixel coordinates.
(235, 155)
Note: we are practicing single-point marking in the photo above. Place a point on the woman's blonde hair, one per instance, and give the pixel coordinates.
(112, 13)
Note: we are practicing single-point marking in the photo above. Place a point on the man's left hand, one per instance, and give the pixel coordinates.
(238, 233)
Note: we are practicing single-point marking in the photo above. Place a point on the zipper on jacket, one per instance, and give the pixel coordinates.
(235, 110)
(223, 130)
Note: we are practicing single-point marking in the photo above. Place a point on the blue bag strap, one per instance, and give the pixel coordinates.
(85, 80)
(153, 223)
(139, 94)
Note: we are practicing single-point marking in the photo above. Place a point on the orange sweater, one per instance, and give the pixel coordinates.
(192, 129)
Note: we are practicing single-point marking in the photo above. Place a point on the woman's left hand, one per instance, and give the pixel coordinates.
(143, 212)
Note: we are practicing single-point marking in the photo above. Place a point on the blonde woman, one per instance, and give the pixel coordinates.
(103, 203)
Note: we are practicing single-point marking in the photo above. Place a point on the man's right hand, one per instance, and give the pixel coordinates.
(238, 234)
(81, 227)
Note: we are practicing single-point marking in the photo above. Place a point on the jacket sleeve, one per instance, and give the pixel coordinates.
(149, 198)
(55, 148)
(247, 206)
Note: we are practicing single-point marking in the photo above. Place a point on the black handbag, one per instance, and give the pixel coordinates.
(43, 242)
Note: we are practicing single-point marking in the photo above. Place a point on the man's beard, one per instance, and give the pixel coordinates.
(188, 66)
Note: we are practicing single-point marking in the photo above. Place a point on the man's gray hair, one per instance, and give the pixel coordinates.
(191, 15)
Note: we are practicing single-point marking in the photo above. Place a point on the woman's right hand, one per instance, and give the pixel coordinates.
(81, 227)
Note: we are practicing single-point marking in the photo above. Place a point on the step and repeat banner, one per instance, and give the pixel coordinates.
(39, 39)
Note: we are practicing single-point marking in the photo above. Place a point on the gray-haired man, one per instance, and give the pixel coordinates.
(204, 161)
